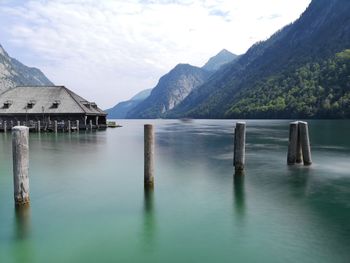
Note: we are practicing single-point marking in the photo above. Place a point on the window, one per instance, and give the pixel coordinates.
(55, 104)
(7, 104)
(30, 104)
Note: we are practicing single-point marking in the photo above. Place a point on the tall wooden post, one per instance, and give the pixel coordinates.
(305, 142)
(5, 126)
(38, 127)
(299, 158)
(69, 126)
(239, 146)
(18, 123)
(90, 124)
(20, 151)
(293, 143)
(78, 125)
(148, 155)
(55, 126)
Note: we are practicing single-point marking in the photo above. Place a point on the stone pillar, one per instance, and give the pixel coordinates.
(20, 151)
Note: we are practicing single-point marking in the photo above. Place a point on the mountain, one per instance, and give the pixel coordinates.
(120, 110)
(171, 89)
(222, 58)
(284, 75)
(142, 95)
(13, 73)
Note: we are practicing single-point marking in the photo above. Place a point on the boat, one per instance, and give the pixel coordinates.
(113, 124)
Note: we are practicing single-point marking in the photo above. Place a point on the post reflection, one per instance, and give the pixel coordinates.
(239, 193)
(149, 218)
(22, 222)
(22, 229)
(299, 180)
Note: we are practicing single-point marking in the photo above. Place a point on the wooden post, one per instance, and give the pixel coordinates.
(55, 126)
(148, 155)
(305, 142)
(69, 127)
(90, 124)
(38, 127)
(299, 158)
(293, 143)
(18, 123)
(5, 126)
(239, 146)
(77, 125)
(20, 151)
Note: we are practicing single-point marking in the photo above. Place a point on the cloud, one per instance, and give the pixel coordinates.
(109, 50)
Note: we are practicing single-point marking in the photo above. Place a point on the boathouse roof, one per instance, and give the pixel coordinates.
(46, 99)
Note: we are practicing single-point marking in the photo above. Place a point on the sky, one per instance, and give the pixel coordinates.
(108, 50)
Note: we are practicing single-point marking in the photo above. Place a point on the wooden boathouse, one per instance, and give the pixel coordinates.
(49, 108)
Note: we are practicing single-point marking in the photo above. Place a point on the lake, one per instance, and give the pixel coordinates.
(88, 202)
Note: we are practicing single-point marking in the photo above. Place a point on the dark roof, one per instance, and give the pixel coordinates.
(45, 99)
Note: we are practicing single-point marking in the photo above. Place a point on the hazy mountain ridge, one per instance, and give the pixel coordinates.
(171, 89)
(222, 58)
(13, 73)
(321, 31)
(120, 110)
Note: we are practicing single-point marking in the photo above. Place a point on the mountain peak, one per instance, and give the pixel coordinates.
(223, 57)
(13, 73)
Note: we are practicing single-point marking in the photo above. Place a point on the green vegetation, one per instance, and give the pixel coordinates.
(316, 90)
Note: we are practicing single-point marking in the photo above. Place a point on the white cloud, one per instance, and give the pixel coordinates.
(108, 50)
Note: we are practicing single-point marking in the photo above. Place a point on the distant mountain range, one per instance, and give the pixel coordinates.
(120, 110)
(301, 71)
(171, 89)
(13, 73)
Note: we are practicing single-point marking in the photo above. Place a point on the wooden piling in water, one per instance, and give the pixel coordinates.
(239, 146)
(38, 126)
(299, 158)
(148, 155)
(69, 126)
(293, 143)
(55, 126)
(77, 125)
(305, 142)
(18, 123)
(90, 125)
(5, 126)
(20, 151)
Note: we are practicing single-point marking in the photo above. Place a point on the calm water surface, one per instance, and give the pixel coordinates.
(88, 203)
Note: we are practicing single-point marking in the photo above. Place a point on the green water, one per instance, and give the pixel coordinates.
(88, 203)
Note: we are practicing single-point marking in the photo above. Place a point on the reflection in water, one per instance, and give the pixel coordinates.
(149, 220)
(239, 194)
(299, 180)
(22, 223)
(23, 251)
